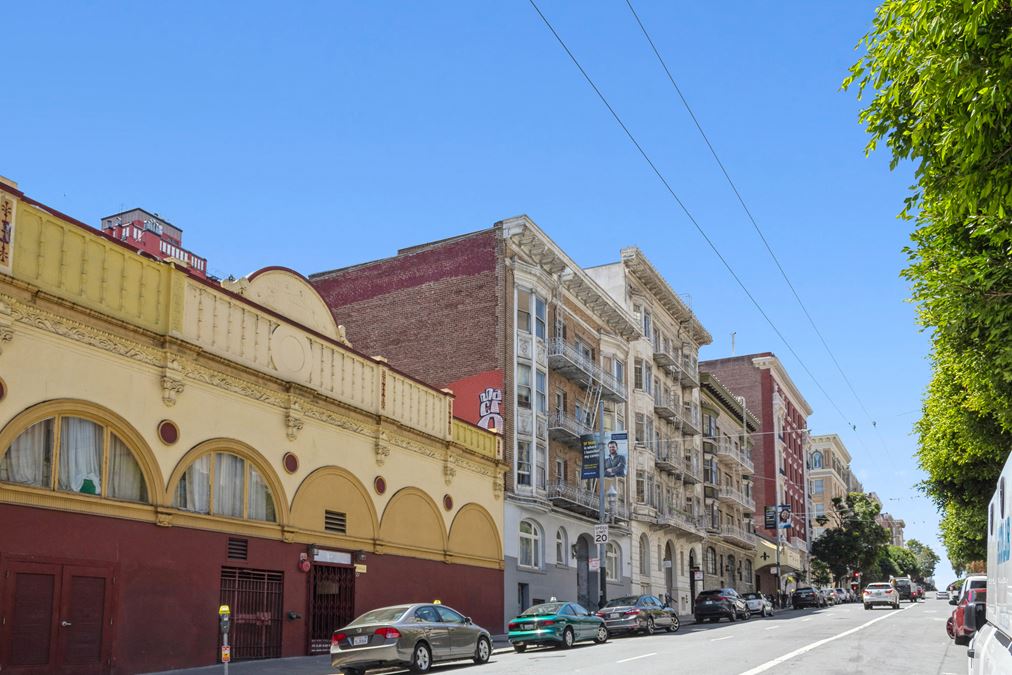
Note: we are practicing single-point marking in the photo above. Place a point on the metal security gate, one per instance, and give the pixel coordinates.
(332, 599)
(255, 597)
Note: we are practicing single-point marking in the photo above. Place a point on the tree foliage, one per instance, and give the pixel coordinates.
(940, 73)
(926, 558)
(857, 543)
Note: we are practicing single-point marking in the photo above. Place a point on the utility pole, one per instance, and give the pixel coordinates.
(601, 568)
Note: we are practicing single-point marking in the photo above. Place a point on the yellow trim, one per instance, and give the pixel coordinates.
(109, 420)
(331, 470)
(467, 508)
(248, 453)
(403, 492)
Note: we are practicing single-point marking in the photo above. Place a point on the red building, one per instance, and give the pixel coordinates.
(150, 233)
(779, 449)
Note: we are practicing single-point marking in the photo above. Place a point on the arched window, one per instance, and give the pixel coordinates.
(816, 460)
(225, 484)
(644, 555)
(748, 572)
(710, 560)
(611, 561)
(74, 454)
(561, 547)
(530, 544)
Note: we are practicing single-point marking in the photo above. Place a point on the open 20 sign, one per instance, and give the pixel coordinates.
(600, 534)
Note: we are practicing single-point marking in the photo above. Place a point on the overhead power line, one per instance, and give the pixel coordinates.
(688, 214)
(748, 213)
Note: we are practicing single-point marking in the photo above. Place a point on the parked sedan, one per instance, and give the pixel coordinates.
(882, 593)
(841, 596)
(556, 623)
(415, 636)
(941, 595)
(643, 613)
(806, 596)
(758, 604)
(719, 603)
(959, 631)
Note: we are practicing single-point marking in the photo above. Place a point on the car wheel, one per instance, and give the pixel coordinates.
(650, 627)
(867, 606)
(962, 640)
(421, 658)
(700, 619)
(519, 649)
(483, 650)
(748, 615)
(733, 616)
(673, 628)
(567, 638)
(602, 635)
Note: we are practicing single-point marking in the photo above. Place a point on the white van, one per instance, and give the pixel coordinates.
(989, 651)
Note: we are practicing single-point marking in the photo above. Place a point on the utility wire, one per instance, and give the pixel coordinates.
(688, 213)
(748, 212)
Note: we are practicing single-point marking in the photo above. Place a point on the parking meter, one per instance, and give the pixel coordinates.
(224, 619)
(224, 623)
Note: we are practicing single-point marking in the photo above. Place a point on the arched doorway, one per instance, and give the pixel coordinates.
(669, 569)
(583, 571)
(693, 567)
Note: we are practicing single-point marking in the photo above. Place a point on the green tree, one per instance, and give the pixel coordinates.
(821, 576)
(857, 543)
(927, 559)
(938, 72)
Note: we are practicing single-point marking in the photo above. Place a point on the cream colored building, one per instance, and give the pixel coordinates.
(829, 477)
(729, 551)
(665, 463)
(166, 440)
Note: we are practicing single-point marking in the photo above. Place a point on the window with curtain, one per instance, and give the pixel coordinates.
(644, 555)
(217, 482)
(74, 454)
(530, 545)
(710, 560)
(561, 550)
(611, 560)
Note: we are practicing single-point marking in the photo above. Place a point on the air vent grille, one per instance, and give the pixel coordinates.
(335, 521)
(238, 549)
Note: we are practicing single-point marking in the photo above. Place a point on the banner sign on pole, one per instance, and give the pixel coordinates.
(770, 517)
(616, 455)
(784, 516)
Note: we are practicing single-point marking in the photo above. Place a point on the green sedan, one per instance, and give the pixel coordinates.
(557, 623)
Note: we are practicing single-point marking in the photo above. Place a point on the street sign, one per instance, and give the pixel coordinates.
(697, 575)
(601, 534)
(593, 564)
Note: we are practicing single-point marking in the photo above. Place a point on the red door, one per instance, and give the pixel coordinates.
(56, 619)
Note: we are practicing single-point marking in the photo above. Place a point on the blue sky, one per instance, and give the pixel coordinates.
(317, 135)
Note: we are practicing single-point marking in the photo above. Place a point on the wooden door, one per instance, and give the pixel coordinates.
(56, 619)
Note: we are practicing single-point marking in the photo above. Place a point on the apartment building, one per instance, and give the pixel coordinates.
(532, 346)
(829, 477)
(665, 462)
(779, 453)
(894, 526)
(729, 550)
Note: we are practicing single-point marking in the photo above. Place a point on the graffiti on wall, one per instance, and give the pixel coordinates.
(489, 409)
(479, 399)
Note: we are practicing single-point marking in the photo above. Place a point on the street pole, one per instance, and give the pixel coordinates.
(601, 570)
(780, 594)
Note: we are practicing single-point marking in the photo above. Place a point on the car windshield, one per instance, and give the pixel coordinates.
(751, 596)
(382, 615)
(622, 602)
(544, 610)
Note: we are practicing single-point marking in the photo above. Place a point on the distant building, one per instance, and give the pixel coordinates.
(894, 526)
(829, 477)
(152, 234)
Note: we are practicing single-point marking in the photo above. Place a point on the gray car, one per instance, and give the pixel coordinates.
(408, 635)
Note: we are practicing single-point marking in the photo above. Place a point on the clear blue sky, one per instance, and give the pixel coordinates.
(316, 135)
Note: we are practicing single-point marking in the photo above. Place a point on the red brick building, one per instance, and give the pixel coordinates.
(154, 236)
(779, 450)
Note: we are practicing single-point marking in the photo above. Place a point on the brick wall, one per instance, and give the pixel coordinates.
(433, 311)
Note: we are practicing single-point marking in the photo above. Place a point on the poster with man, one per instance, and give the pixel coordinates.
(616, 455)
(784, 516)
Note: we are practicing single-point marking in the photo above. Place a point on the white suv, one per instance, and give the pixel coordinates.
(881, 594)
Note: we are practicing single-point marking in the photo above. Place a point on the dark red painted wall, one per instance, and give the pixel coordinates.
(168, 581)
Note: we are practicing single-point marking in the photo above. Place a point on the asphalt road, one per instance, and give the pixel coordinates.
(839, 640)
(831, 641)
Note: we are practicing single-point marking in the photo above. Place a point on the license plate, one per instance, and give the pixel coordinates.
(528, 626)
(360, 640)
(613, 616)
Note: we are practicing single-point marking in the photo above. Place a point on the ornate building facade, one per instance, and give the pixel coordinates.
(169, 444)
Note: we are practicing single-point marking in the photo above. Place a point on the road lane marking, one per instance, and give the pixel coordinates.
(726, 637)
(772, 627)
(807, 619)
(762, 668)
(633, 658)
